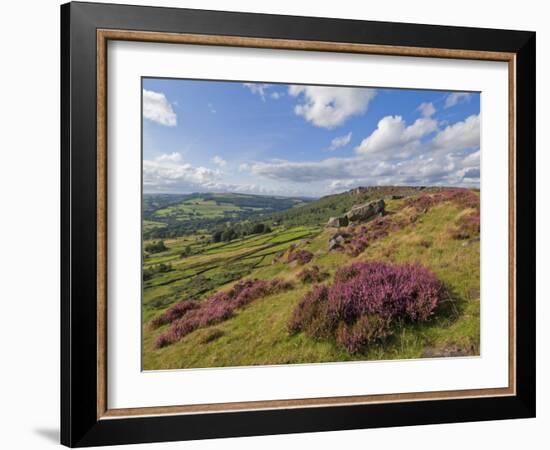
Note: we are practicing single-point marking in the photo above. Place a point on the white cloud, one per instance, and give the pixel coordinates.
(456, 97)
(171, 157)
(258, 88)
(219, 161)
(426, 109)
(328, 107)
(392, 136)
(340, 141)
(302, 172)
(459, 135)
(393, 154)
(166, 173)
(211, 108)
(277, 95)
(157, 108)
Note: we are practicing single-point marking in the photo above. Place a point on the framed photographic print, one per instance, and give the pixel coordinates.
(276, 224)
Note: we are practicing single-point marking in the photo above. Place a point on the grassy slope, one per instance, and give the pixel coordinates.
(257, 335)
(212, 266)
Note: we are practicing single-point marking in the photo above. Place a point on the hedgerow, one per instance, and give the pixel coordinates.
(366, 302)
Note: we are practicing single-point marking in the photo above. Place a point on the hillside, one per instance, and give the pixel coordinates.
(169, 215)
(437, 228)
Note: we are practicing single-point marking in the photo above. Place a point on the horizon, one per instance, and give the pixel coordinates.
(305, 196)
(304, 141)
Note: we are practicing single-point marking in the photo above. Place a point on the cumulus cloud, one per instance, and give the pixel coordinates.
(219, 161)
(258, 89)
(277, 95)
(460, 135)
(329, 107)
(302, 172)
(340, 141)
(393, 154)
(456, 97)
(427, 109)
(392, 136)
(157, 108)
(171, 157)
(166, 174)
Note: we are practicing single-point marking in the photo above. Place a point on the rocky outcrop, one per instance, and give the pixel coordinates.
(336, 222)
(362, 213)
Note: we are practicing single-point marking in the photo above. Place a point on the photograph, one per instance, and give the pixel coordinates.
(300, 224)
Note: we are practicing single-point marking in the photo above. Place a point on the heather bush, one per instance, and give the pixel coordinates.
(312, 274)
(366, 302)
(302, 256)
(217, 308)
(357, 245)
(174, 312)
(310, 315)
(467, 226)
(365, 330)
(465, 198)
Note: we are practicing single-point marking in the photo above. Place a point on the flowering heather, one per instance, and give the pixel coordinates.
(302, 256)
(464, 198)
(381, 227)
(365, 303)
(376, 229)
(217, 308)
(357, 245)
(174, 312)
(468, 226)
(312, 275)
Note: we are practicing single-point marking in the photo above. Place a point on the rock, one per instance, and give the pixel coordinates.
(336, 222)
(336, 241)
(446, 352)
(470, 242)
(397, 197)
(366, 211)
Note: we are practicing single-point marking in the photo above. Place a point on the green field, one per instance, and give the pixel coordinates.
(175, 215)
(196, 267)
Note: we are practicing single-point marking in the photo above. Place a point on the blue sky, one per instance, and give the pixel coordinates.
(300, 140)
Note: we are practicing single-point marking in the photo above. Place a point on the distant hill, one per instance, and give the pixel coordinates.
(170, 215)
(316, 213)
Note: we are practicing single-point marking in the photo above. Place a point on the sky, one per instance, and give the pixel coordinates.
(303, 140)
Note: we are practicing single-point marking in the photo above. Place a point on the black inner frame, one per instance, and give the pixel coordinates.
(79, 423)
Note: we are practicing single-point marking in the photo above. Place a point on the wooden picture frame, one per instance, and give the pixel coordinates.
(86, 418)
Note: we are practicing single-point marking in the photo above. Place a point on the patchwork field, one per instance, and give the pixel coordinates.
(437, 229)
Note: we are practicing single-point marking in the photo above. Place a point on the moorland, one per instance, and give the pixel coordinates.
(238, 279)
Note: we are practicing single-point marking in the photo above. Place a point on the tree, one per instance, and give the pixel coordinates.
(186, 251)
(156, 247)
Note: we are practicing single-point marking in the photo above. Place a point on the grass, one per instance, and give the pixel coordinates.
(257, 335)
(197, 207)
